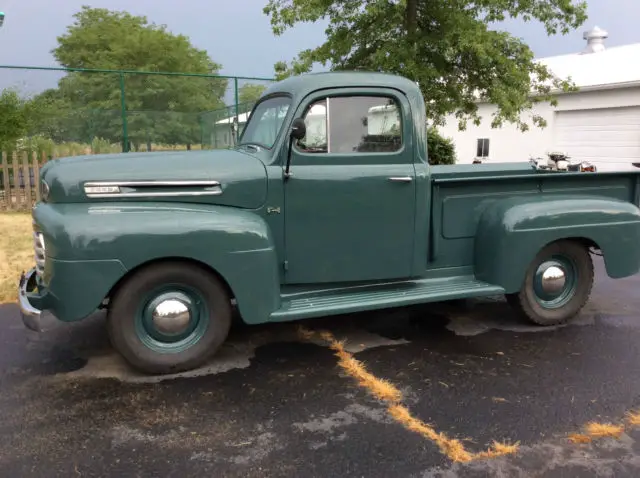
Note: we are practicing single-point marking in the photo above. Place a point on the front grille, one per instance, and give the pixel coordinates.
(39, 248)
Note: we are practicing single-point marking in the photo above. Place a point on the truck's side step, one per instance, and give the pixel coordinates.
(303, 305)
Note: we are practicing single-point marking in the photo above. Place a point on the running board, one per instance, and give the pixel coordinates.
(381, 296)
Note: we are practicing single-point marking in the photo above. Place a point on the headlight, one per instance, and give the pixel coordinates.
(44, 190)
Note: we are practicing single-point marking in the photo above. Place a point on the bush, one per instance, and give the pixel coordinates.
(37, 144)
(103, 146)
(440, 150)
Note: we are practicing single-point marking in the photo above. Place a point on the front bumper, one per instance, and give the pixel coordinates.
(31, 317)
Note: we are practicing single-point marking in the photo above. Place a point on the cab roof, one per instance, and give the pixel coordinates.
(302, 85)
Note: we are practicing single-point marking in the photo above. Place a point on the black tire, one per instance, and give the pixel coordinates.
(134, 338)
(574, 259)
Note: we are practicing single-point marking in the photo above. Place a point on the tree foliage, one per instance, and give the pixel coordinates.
(448, 47)
(440, 150)
(160, 108)
(250, 92)
(16, 115)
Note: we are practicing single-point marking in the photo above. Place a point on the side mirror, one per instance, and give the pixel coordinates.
(298, 129)
(1, 18)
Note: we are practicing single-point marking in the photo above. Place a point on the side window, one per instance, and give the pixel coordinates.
(482, 148)
(315, 119)
(353, 124)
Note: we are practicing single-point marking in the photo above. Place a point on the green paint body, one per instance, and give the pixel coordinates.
(337, 236)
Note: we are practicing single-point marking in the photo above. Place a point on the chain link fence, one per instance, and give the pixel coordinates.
(80, 111)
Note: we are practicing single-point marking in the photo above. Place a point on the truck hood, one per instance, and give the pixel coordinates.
(223, 177)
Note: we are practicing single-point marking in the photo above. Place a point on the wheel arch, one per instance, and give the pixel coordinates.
(170, 259)
(584, 241)
(512, 231)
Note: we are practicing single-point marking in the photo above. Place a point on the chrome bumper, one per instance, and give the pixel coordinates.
(30, 315)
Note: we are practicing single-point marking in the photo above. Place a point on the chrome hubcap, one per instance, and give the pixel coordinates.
(171, 317)
(553, 279)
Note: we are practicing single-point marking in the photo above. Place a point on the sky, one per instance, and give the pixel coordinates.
(237, 34)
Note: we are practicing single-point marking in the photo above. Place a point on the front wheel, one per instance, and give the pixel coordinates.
(169, 317)
(557, 285)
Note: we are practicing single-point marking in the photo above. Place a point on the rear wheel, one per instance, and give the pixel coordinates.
(557, 285)
(169, 317)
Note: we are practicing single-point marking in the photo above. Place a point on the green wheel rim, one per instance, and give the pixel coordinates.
(555, 282)
(172, 318)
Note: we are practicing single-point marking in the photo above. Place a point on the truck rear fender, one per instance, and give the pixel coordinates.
(512, 231)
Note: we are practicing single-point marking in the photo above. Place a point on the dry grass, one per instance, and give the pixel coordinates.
(579, 438)
(633, 418)
(16, 252)
(452, 448)
(602, 430)
(387, 392)
(595, 430)
(379, 388)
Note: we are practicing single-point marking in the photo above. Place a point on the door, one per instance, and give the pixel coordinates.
(607, 137)
(351, 198)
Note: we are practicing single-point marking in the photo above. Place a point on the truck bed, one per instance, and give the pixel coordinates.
(461, 193)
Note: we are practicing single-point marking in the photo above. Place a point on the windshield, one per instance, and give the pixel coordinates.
(265, 122)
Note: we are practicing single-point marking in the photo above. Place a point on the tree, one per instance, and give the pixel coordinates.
(160, 108)
(15, 118)
(57, 118)
(447, 47)
(249, 93)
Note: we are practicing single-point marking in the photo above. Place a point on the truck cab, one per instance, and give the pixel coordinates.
(326, 205)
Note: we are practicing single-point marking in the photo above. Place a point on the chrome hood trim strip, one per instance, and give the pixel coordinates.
(111, 189)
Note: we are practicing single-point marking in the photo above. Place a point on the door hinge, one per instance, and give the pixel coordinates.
(285, 265)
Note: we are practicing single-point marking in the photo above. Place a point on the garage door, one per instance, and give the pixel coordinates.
(608, 137)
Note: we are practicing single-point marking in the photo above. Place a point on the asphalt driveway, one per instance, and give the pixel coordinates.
(274, 405)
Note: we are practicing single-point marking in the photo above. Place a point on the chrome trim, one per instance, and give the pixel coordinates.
(101, 189)
(151, 183)
(30, 315)
(216, 192)
(328, 126)
(212, 188)
(171, 317)
(39, 249)
(45, 190)
(553, 279)
(402, 179)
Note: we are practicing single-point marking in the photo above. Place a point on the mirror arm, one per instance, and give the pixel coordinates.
(298, 130)
(287, 174)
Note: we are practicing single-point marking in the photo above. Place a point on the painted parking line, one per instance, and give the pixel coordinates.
(384, 390)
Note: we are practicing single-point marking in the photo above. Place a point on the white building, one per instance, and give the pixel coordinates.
(600, 123)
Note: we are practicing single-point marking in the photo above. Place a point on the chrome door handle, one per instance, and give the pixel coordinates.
(401, 179)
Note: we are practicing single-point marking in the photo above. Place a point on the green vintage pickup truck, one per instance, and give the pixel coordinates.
(327, 205)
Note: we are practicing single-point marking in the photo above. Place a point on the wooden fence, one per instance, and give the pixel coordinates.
(19, 179)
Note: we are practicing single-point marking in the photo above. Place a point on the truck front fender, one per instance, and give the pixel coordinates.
(512, 231)
(236, 243)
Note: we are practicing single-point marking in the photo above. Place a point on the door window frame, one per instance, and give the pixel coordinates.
(399, 156)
